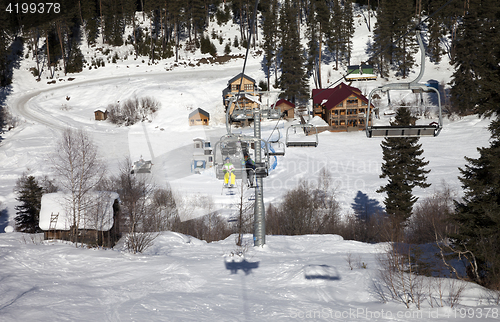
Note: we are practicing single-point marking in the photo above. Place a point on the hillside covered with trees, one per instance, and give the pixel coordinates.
(296, 34)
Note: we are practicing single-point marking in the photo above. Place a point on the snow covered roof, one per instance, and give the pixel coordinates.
(253, 98)
(99, 216)
(100, 109)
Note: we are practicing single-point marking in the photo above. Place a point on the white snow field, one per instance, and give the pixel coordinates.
(181, 278)
(297, 278)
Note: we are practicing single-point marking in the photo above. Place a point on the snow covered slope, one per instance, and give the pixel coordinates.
(181, 278)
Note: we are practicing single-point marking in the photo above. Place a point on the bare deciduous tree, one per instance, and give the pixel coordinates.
(307, 209)
(79, 170)
(146, 209)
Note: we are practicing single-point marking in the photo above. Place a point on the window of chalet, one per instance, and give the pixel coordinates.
(248, 87)
(352, 102)
(235, 87)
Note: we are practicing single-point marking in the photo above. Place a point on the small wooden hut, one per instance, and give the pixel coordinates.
(96, 224)
(286, 107)
(101, 114)
(199, 117)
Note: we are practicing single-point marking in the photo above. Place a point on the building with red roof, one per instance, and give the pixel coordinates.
(343, 107)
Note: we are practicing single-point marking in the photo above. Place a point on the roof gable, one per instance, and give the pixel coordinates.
(284, 101)
(331, 97)
(199, 110)
(232, 80)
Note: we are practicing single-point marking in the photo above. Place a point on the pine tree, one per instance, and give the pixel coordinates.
(270, 34)
(7, 27)
(293, 76)
(382, 40)
(313, 45)
(475, 84)
(404, 168)
(468, 57)
(30, 195)
(434, 48)
(335, 35)
(348, 30)
(478, 213)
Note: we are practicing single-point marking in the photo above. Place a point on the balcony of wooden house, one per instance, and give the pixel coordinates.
(318, 110)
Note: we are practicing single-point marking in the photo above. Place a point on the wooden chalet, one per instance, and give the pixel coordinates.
(249, 99)
(285, 107)
(101, 114)
(199, 117)
(343, 107)
(98, 223)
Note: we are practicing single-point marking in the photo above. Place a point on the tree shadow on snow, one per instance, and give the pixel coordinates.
(364, 207)
(4, 219)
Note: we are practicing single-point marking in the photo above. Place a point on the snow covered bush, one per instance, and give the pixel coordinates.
(132, 110)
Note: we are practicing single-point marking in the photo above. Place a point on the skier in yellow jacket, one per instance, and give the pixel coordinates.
(228, 169)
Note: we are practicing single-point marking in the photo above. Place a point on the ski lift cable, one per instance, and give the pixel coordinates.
(245, 61)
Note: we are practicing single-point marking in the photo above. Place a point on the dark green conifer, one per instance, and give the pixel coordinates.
(478, 213)
(30, 195)
(293, 76)
(270, 34)
(404, 168)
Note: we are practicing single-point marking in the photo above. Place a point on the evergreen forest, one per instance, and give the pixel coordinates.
(457, 28)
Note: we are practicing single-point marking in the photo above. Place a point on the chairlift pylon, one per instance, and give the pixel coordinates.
(430, 130)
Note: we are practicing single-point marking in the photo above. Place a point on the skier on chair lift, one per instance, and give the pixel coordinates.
(250, 167)
(228, 169)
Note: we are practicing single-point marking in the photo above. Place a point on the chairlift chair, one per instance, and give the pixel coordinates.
(430, 130)
(234, 147)
(304, 141)
(276, 148)
(141, 166)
